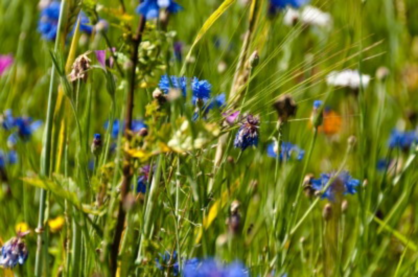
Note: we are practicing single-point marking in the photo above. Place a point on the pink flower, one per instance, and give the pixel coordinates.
(5, 62)
(231, 117)
(101, 57)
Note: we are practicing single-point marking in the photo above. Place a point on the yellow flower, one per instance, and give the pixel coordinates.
(22, 227)
(56, 224)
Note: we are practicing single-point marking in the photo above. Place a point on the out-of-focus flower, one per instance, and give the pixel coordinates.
(231, 117)
(151, 8)
(101, 56)
(168, 262)
(22, 227)
(166, 83)
(7, 120)
(402, 140)
(142, 182)
(201, 89)
(217, 102)
(25, 128)
(348, 79)
(342, 184)
(178, 51)
(248, 133)
(287, 151)
(5, 62)
(48, 23)
(210, 267)
(281, 4)
(332, 122)
(137, 125)
(14, 252)
(56, 224)
(308, 15)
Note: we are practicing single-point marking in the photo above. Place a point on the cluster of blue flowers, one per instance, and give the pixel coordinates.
(343, 183)
(201, 92)
(278, 5)
(24, 127)
(402, 140)
(48, 23)
(247, 134)
(287, 150)
(151, 8)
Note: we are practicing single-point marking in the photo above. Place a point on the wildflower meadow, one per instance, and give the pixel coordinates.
(208, 138)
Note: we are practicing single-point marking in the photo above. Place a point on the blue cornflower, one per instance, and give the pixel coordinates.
(402, 140)
(286, 152)
(136, 126)
(12, 157)
(201, 89)
(209, 268)
(343, 184)
(168, 261)
(383, 164)
(142, 182)
(317, 104)
(217, 102)
(26, 127)
(151, 8)
(2, 160)
(173, 82)
(7, 120)
(248, 133)
(281, 4)
(14, 252)
(48, 24)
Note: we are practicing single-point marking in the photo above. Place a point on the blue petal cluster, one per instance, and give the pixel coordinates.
(151, 8)
(166, 83)
(286, 152)
(281, 4)
(48, 23)
(201, 88)
(24, 127)
(247, 134)
(343, 184)
(117, 127)
(209, 268)
(7, 158)
(217, 102)
(402, 140)
(13, 252)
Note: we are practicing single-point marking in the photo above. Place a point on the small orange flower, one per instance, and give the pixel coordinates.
(331, 124)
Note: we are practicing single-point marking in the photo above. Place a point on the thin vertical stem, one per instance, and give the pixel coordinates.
(127, 174)
(46, 155)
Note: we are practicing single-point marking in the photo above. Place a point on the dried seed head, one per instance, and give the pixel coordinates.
(327, 212)
(79, 69)
(234, 207)
(286, 107)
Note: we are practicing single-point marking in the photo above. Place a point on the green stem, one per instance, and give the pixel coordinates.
(46, 156)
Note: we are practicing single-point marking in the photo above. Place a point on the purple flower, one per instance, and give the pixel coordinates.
(101, 57)
(5, 62)
(248, 133)
(14, 252)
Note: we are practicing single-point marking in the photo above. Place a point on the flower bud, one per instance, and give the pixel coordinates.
(254, 59)
(327, 212)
